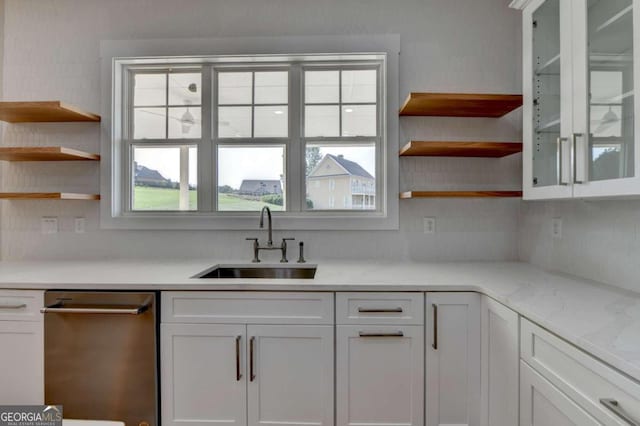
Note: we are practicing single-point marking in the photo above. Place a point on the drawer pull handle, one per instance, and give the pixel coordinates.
(434, 345)
(380, 334)
(252, 375)
(380, 310)
(238, 374)
(98, 311)
(20, 306)
(615, 408)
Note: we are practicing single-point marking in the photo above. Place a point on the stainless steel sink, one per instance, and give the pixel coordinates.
(250, 271)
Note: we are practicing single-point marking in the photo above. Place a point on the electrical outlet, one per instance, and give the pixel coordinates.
(79, 225)
(556, 228)
(429, 225)
(49, 225)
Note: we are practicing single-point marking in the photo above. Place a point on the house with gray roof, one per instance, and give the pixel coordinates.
(340, 184)
(260, 187)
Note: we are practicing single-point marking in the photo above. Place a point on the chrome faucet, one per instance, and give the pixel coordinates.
(268, 210)
(269, 246)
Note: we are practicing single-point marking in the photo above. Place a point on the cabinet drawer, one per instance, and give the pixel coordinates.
(21, 305)
(380, 308)
(247, 307)
(585, 379)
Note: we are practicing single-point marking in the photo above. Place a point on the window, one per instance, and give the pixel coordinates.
(221, 136)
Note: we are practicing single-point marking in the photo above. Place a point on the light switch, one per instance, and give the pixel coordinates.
(429, 225)
(49, 225)
(556, 228)
(79, 225)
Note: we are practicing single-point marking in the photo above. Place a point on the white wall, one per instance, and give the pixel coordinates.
(600, 239)
(51, 52)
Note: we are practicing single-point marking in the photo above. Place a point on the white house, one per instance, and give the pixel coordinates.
(338, 183)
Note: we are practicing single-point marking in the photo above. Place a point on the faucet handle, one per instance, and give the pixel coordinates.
(283, 247)
(256, 249)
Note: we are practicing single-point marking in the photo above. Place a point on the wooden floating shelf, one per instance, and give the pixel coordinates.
(42, 112)
(47, 153)
(460, 104)
(47, 196)
(460, 149)
(459, 194)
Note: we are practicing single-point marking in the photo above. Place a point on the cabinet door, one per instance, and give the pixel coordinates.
(500, 364)
(548, 91)
(542, 404)
(22, 361)
(290, 375)
(204, 379)
(380, 376)
(606, 47)
(453, 359)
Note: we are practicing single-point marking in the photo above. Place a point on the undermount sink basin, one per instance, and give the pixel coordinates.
(251, 271)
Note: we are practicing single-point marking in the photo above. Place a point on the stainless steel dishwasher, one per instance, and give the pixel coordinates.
(101, 355)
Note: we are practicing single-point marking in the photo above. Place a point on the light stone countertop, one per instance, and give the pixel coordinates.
(602, 320)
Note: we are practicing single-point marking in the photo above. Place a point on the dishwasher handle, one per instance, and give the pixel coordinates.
(58, 309)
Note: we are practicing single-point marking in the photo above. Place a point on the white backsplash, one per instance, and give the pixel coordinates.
(600, 239)
(51, 52)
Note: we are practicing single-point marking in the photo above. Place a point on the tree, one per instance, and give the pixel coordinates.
(313, 158)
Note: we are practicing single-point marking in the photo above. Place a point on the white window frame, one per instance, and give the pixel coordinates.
(117, 55)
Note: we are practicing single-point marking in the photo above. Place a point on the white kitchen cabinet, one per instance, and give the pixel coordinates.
(542, 404)
(599, 390)
(262, 370)
(452, 359)
(21, 347)
(580, 136)
(290, 375)
(380, 375)
(500, 364)
(203, 374)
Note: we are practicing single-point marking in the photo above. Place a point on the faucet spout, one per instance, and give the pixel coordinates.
(268, 210)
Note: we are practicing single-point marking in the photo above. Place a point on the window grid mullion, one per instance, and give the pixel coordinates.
(166, 106)
(253, 102)
(295, 175)
(340, 103)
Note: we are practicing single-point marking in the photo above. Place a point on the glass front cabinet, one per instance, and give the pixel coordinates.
(580, 136)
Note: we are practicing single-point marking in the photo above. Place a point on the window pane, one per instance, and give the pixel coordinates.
(341, 178)
(250, 178)
(271, 121)
(185, 122)
(359, 86)
(150, 89)
(234, 122)
(234, 88)
(322, 121)
(157, 183)
(149, 123)
(272, 87)
(185, 89)
(321, 87)
(359, 120)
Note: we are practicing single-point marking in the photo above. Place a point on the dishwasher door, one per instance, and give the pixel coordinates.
(101, 355)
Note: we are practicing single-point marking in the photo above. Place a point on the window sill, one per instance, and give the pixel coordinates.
(322, 221)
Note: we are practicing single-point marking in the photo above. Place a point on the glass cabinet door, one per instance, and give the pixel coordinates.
(546, 94)
(611, 140)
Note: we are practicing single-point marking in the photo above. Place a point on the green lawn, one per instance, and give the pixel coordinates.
(229, 202)
(147, 198)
